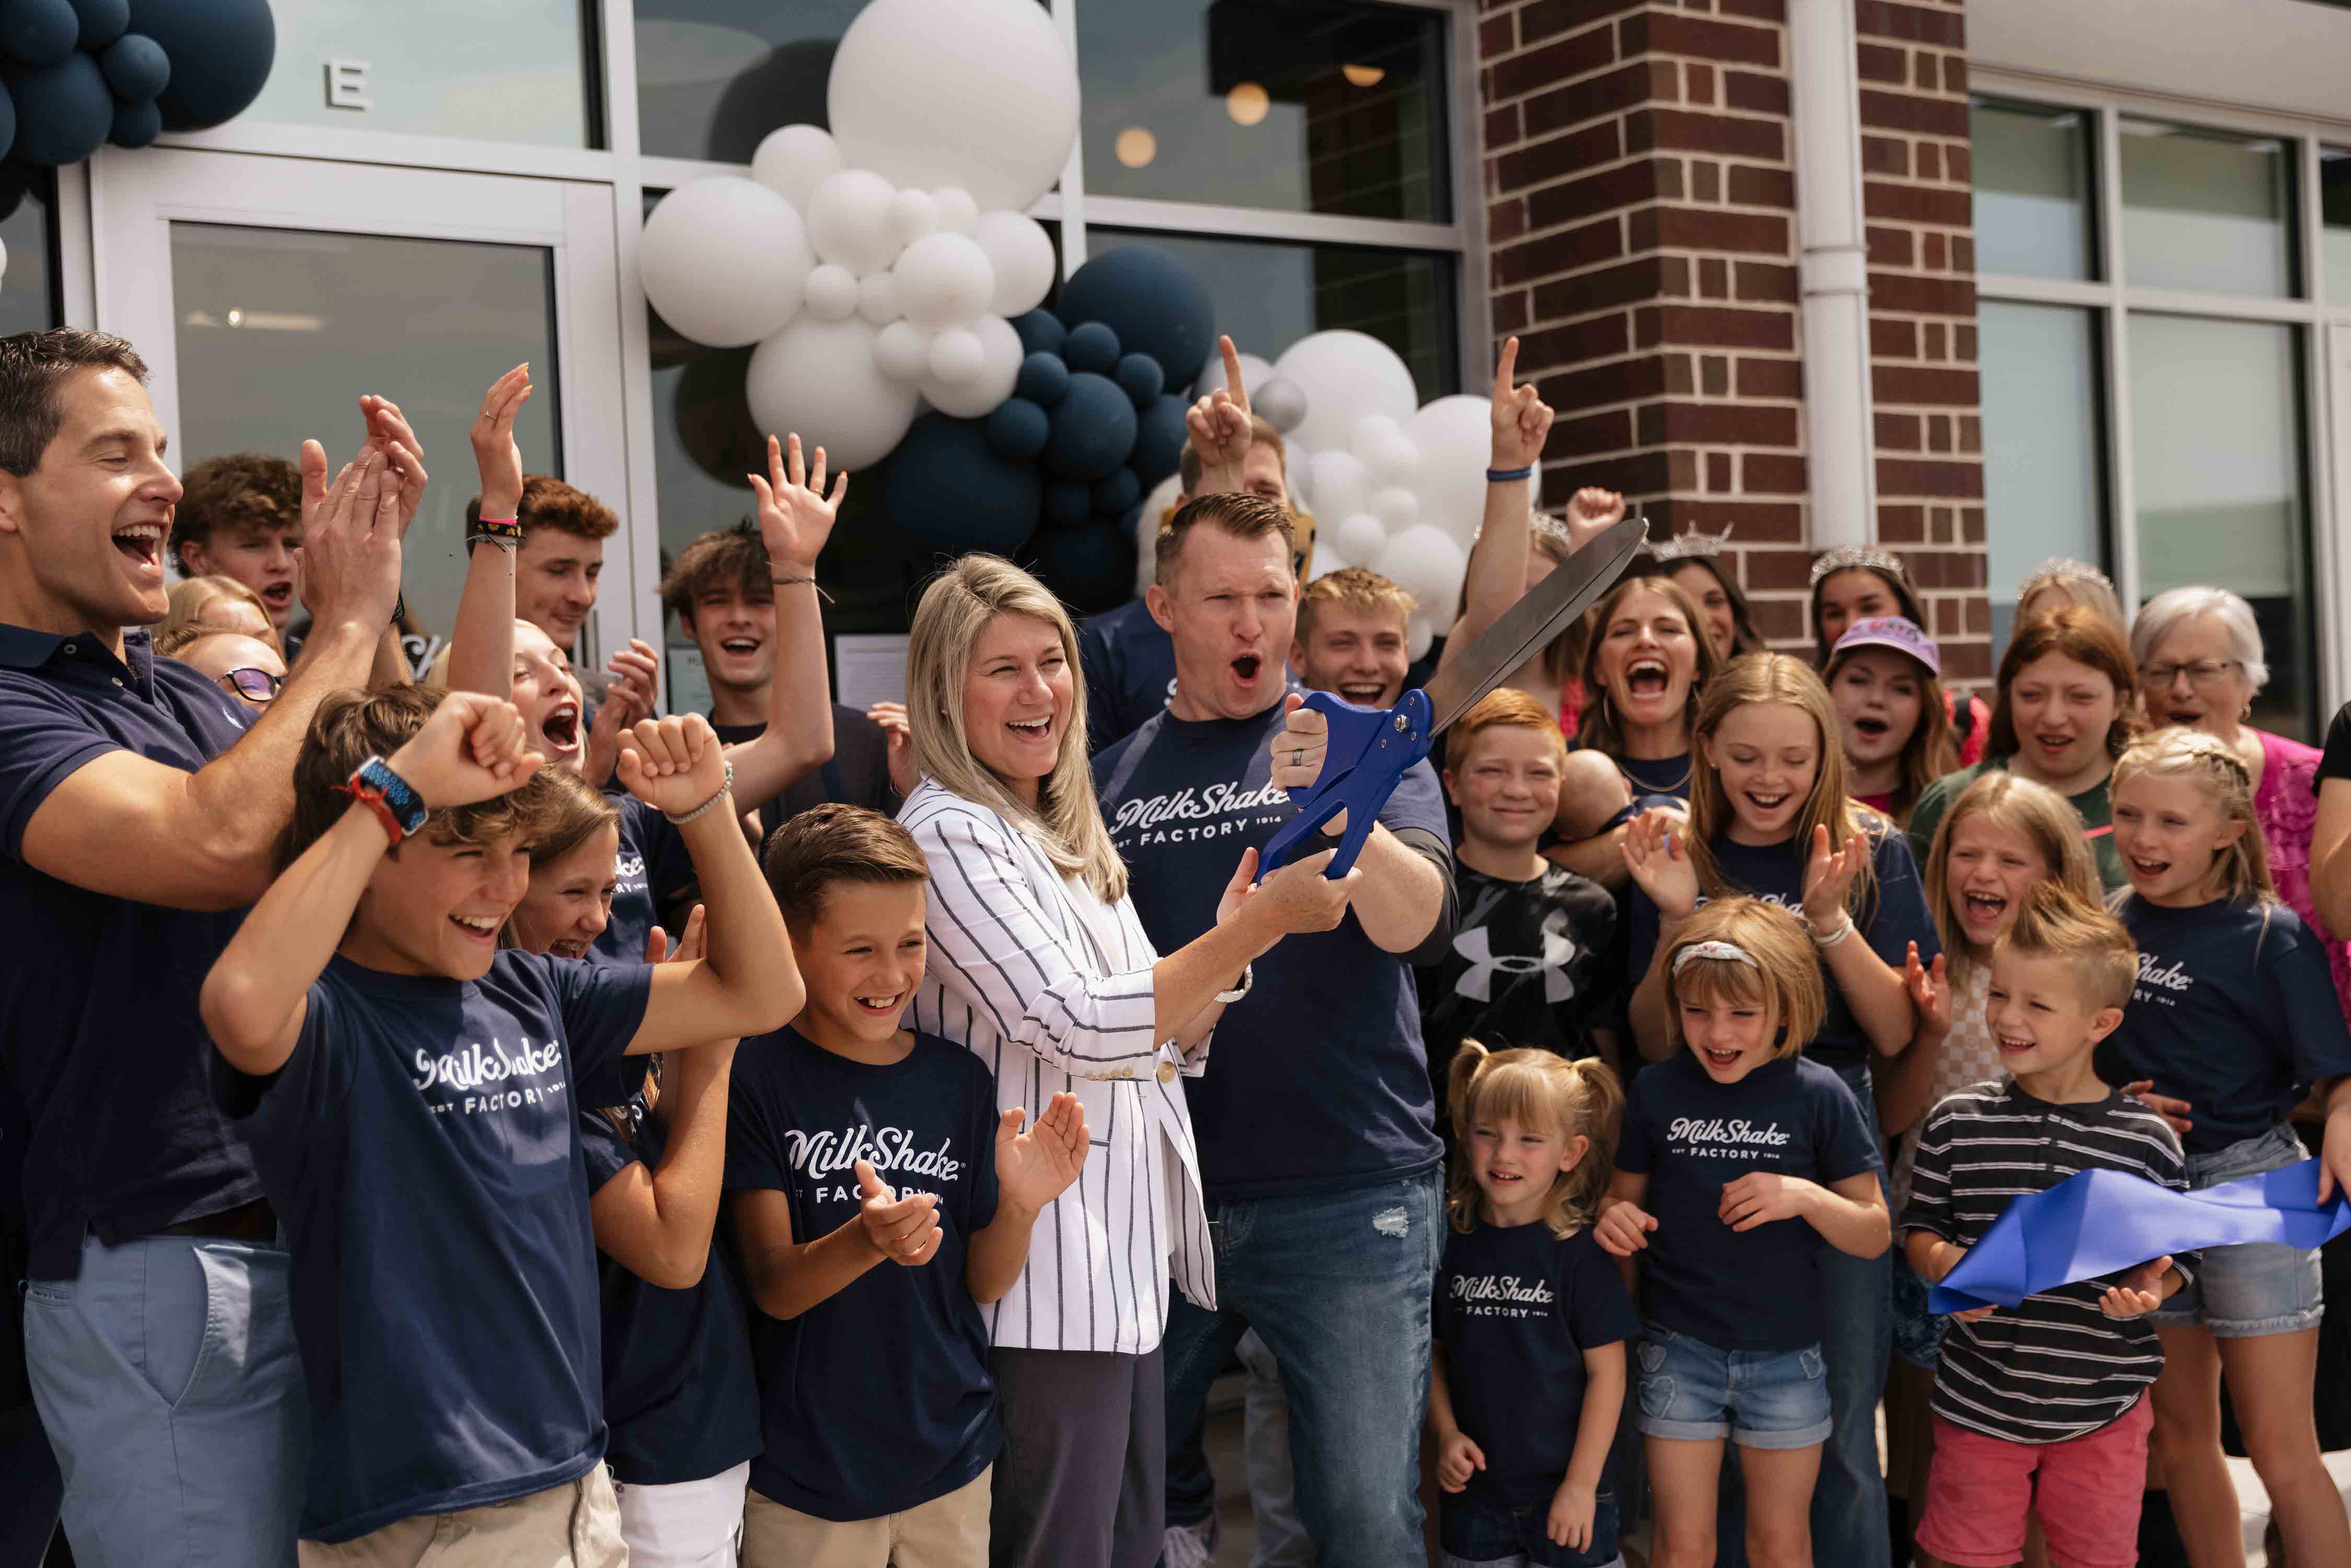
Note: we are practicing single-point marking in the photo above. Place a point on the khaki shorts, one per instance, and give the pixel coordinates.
(949, 1532)
(576, 1525)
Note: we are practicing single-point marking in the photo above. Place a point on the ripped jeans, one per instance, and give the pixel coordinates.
(1337, 1284)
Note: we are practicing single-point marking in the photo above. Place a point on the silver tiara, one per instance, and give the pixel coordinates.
(1846, 557)
(1692, 546)
(2067, 566)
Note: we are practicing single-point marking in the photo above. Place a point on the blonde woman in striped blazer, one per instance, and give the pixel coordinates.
(1037, 962)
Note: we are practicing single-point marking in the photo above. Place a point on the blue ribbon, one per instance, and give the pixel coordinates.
(2096, 1223)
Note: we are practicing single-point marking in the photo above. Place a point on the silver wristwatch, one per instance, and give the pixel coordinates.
(1248, 978)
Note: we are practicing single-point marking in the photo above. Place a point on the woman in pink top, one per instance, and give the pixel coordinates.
(2199, 663)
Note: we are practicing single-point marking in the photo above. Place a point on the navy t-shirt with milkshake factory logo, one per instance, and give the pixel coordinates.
(422, 1148)
(651, 867)
(1321, 1079)
(877, 1399)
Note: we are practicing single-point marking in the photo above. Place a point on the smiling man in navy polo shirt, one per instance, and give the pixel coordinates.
(137, 819)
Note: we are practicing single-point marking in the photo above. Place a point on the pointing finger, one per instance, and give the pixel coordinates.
(1506, 370)
(1233, 382)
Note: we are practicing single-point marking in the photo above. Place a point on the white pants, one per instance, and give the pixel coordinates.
(687, 1524)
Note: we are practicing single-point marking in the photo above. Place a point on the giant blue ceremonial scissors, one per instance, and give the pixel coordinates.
(1371, 748)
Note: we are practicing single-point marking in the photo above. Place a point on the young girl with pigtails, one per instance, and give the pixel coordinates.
(1745, 1171)
(1770, 818)
(2233, 1020)
(1530, 1316)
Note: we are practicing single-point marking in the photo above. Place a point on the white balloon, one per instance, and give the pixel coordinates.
(1282, 402)
(1361, 537)
(958, 209)
(1395, 507)
(976, 93)
(724, 260)
(943, 280)
(955, 356)
(1425, 563)
(821, 379)
(1255, 374)
(1372, 433)
(1156, 505)
(848, 221)
(1345, 375)
(1417, 636)
(999, 367)
(902, 350)
(1454, 436)
(877, 299)
(1018, 247)
(794, 160)
(1337, 484)
(913, 215)
(831, 292)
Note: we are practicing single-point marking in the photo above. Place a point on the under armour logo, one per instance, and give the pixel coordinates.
(1476, 944)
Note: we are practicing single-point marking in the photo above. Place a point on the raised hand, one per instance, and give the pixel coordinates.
(796, 515)
(1660, 865)
(636, 680)
(1759, 1198)
(1034, 1168)
(1592, 512)
(1521, 419)
(1828, 875)
(905, 1229)
(672, 764)
(1458, 1458)
(388, 431)
(1930, 993)
(351, 539)
(472, 748)
(1218, 426)
(1623, 1228)
(892, 717)
(2139, 1292)
(496, 456)
(2175, 1111)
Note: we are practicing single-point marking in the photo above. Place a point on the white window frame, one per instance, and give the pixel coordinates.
(2322, 320)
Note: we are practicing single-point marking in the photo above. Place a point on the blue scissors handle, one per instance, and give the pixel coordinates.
(1369, 750)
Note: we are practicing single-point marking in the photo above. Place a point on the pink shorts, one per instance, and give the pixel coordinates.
(2085, 1491)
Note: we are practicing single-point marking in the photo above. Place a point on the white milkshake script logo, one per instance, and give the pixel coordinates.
(830, 1159)
(1501, 1296)
(1725, 1137)
(487, 1077)
(2156, 976)
(1190, 813)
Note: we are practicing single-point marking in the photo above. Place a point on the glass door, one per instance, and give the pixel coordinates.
(268, 294)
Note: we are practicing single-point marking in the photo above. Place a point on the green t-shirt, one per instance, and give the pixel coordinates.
(2092, 805)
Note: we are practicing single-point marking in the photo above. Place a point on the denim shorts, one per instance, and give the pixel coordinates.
(1483, 1532)
(1918, 1332)
(2263, 1287)
(1691, 1392)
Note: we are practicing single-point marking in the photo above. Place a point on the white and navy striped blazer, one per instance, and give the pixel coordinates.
(1052, 987)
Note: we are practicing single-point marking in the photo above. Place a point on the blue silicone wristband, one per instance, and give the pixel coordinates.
(1505, 475)
(407, 805)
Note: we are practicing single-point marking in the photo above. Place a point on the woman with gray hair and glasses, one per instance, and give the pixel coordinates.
(2199, 665)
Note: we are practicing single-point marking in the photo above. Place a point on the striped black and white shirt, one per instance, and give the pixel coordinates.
(1052, 987)
(2054, 1367)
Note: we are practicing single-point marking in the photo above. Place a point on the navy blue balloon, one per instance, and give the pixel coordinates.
(1044, 380)
(136, 124)
(1093, 430)
(1068, 504)
(949, 491)
(1138, 377)
(1117, 493)
(136, 67)
(1152, 302)
(103, 22)
(38, 32)
(221, 52)
(1093, 568)
(9, 135)
(1016, 429)
(15, 179)
(1093, 347)
(63, 111)
(1159, 438)
(1041, 332)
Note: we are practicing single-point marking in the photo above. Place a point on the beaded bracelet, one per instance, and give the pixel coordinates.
(724, 789)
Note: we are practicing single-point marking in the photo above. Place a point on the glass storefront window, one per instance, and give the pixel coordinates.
(2033, 189)
(281, 331)
(716, 76)
(2335, 203)
(28, 301)
(1296, 105)
(2044, 487)
(499, 70)
(2204, 209)
(2216, 456)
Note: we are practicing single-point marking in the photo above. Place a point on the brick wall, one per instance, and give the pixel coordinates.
(1639, 192)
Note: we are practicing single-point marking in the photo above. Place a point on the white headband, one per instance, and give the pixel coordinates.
(1735, 953)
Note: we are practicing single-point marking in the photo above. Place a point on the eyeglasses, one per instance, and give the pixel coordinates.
(2203, 674)
(254, 685)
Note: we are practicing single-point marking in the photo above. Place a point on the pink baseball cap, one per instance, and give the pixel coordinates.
(1898, 632)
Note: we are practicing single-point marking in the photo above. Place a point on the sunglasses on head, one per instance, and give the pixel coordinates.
(254, 685)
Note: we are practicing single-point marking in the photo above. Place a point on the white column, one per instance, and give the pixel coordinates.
(1832, 272)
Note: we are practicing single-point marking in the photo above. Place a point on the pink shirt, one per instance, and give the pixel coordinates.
(2286, 805)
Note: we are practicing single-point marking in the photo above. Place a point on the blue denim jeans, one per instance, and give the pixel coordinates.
(1337, 1284)
(167, 1377)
